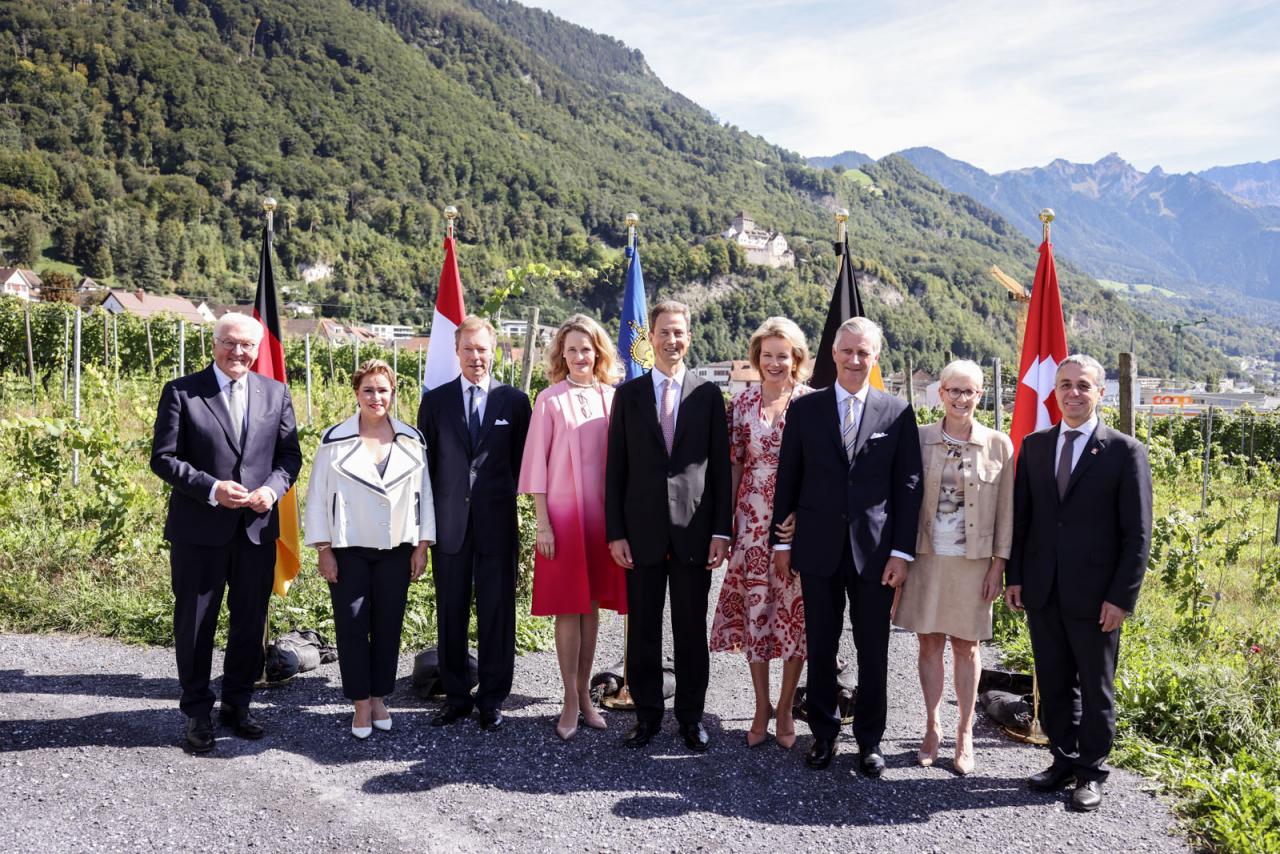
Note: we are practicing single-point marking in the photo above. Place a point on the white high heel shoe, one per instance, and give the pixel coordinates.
(383, 725)
(360, 732)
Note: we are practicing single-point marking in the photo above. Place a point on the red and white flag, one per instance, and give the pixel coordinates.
(1043, 349)
(442, 354)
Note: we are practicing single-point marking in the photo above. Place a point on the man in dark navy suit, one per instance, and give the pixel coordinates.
(850, 470)
(475, 428)
(225, 441)
(1081, 536)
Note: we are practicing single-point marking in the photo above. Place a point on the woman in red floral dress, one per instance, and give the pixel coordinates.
(760, 612)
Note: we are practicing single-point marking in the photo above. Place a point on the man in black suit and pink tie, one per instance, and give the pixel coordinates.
(850, 471)
(667, 516)
(225, 441)
(1081, 536)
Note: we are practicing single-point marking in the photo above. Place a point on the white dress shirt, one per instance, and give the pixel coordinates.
(1077, 450)
(482, 396)
(224, 383)
(659, 378)
(842, 396)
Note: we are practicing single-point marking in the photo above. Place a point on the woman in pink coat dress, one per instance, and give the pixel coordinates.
(563, 469)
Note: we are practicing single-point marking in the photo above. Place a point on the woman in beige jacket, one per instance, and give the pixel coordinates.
(370, 516)
(966, 520)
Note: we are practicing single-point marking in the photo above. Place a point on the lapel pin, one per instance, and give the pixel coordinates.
(1094, 451)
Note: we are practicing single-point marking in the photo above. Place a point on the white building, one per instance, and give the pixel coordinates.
(391, 331)
(766, 248)
(19, 283)
(732, 376)
(517, 329)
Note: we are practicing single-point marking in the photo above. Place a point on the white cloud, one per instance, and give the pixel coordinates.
(998, 84)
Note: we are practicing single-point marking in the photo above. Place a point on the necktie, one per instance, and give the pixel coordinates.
(849, 430)
(1064, 461)
(667, 417)
(473, 418)
(235, 402)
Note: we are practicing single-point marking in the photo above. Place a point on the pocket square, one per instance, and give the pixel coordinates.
(876, 436)
(501, 422)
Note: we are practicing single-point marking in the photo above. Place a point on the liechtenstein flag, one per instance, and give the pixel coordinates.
(633, 334)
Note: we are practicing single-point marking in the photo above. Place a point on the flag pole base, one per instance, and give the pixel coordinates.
(620, 702)
(1033, 736)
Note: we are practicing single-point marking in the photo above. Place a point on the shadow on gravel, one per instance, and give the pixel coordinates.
(89, 684)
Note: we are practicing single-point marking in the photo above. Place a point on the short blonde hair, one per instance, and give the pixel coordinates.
(606, 357)
(373, 367)
(864, 327)
(962, 368)
(786, 329)
(471, 323)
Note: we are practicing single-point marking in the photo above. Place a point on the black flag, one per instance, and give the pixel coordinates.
(846, 302)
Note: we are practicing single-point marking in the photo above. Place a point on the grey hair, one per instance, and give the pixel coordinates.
(235, 320)
(1089, 364)
(864, 327)
(963, 368)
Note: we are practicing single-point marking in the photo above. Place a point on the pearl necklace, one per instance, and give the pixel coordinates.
(571, 381)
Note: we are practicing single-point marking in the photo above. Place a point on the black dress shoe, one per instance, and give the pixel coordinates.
(1052, 778)
(821, 753)
(449, 715)
(491, 721)
(241, 721)
(641, 734)
(200, 734)
(871, 762)
(695, 737)
(1087, 797)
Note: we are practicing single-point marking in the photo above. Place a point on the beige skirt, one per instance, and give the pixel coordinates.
(943, 594)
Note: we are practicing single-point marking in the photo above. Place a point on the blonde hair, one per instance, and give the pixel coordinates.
(963, 368)
(605, 368)
(471, 323)
(373, 367)
(786, 329)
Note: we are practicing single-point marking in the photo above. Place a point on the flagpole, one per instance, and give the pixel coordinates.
(1035, 733)
(623, 701)
(269, 207)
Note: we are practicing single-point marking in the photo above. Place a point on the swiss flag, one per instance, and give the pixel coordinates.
(442, 354)
(1043, 349)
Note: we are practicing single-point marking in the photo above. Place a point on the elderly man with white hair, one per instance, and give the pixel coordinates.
(225, 440)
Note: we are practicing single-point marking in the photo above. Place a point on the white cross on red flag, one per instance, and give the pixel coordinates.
(1043, 349)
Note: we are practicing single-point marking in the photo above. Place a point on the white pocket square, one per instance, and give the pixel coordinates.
(876, 436)
(501, 422)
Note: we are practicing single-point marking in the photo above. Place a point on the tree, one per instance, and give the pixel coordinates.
(26, 241)
(57, 287)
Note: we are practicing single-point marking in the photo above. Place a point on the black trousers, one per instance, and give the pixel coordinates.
(201, 575)
(1076, 672)
(646, 601)
(869, 606)
(493, 577)
(369, 598)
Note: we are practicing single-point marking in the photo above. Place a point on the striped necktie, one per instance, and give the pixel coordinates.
(849, 430)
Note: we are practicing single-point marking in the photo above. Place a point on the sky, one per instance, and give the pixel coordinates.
(1002, 85)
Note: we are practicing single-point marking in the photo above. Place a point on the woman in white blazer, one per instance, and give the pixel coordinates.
(369, 514)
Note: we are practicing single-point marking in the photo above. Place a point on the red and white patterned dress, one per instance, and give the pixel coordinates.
(760, 612)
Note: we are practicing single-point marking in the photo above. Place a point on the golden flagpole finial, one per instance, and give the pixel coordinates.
(842, 218)
(1047, 216)
(450, 214)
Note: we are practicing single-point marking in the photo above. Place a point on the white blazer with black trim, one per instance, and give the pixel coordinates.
(349, 504)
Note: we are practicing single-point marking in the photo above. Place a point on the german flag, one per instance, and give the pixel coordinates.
(846, 302)
(270, 363)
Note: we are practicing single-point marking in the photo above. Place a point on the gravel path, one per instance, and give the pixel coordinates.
(89, 761)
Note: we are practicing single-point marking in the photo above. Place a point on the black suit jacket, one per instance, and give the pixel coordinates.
(656, 502)
(477, 488)
(1092, 545)
(873, 501)
(193, 446)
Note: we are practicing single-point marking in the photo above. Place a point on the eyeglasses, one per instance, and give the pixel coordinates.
(961, 393)
(232, 346)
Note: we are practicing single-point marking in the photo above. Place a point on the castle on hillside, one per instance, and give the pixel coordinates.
(766, 248)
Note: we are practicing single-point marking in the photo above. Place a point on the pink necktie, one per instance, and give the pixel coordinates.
(667, 418)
